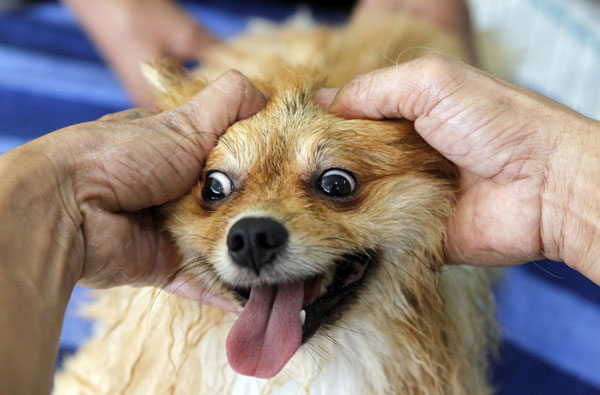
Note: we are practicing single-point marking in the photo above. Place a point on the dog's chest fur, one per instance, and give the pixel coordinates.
(421, 331)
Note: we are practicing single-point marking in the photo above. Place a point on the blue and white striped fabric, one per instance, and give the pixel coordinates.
(51, 77)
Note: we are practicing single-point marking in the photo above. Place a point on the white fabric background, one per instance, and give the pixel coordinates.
(551, 46)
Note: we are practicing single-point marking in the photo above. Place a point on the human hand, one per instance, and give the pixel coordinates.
(528, 166)
(452, 15)
(128, 32)
(77, 205)
(110, 174)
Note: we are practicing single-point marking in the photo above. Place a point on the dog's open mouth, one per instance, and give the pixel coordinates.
(276, 320)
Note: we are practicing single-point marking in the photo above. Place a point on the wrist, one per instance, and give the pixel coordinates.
(38, 246)
(41, 223)
(571, 199)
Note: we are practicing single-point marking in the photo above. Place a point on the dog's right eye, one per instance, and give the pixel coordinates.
(217, 186)
(337, 183)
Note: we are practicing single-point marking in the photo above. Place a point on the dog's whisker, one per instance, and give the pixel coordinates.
(315, 361)
(197, 236)
(336, 325)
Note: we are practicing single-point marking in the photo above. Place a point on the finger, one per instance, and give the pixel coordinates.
(208, 114)
(234, 96)
(460, 111)
(407, 90)
(185, 39)
(136, 85)
(192, 42)
(126, 65)
(157, 159)
(187, 286)
(324, 97)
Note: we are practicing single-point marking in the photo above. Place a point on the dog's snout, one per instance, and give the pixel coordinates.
(254, 242)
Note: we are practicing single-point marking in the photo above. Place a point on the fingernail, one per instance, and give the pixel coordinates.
(324, 97)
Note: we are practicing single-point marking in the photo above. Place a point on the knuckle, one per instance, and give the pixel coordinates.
(234, 79)
(440, 76)
(243, 98)
(361, 88)
(438, 66)
(234, 87)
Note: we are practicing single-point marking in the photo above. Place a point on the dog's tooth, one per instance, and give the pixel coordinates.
(302, 316)
(323, 290)
(328, 279)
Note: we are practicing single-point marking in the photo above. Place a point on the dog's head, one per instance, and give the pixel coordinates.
(304, 219)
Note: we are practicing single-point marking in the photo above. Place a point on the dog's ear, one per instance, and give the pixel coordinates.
(171, 84)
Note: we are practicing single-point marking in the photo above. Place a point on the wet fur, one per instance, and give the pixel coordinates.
(415, 327)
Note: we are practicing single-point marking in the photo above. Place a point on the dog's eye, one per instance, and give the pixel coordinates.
(336, 183)
(217, 186)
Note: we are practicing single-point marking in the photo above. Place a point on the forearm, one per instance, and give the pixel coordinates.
(37, 239)
(104, 21)
(573, 200)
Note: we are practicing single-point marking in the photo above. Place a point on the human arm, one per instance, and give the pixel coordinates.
(451, 15)
(77, 206)
(127, 32)
(528, 166)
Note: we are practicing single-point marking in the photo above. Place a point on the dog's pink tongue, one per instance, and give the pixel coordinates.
(268, 331)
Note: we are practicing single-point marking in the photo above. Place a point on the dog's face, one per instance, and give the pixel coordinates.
(303, 218)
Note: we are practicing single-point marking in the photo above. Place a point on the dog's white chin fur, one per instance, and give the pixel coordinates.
(178, 346)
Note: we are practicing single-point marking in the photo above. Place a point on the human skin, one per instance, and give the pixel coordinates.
(529, 184)
(452, 15)
(127, 32)
(77, 207)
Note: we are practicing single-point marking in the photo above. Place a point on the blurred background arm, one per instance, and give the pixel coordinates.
(127, 32)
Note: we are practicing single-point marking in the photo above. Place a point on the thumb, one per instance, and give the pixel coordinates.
(165, 152)
(472, 118)
(406, 90)
(206, 116)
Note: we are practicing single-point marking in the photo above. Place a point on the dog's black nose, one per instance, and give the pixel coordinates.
(254, 242)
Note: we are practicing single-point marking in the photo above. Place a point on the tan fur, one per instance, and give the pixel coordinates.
(417, 326)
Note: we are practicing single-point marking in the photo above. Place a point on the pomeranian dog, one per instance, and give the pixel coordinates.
(328, 232)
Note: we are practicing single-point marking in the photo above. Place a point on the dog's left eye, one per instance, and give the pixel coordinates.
(216, 187)
(336, 183)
